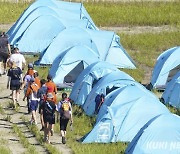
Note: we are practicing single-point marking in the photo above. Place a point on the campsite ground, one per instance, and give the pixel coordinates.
(10, 119)
(27, 139)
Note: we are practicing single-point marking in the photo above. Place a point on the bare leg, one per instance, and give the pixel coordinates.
(14, 97)
(42, 120)
(34, 116)
(17, 95)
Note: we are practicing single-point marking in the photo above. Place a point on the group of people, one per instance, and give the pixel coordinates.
(42, 94)
(39, 94)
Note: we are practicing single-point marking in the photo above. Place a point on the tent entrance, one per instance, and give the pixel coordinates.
(173, 72)
(74, 73)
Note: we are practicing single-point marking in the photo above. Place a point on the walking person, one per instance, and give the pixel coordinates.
(18, 58)
(42, 96)
(48, 110)
(51, 87)
(14, 79)
(65, 110)
(26, 80)
(5, 52)
(31, 93)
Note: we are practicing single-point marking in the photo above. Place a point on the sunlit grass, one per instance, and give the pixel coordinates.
(10, 12)
(4, 150)
(134, 13)
(145, 48)
(81, 126)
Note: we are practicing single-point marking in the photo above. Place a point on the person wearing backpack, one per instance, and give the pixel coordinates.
(65, 110)
(42, 96)
(15, 79)
(48, 109)
(31, 93)
(26, 81)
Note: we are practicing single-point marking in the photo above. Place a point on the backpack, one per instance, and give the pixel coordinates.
(34, 88)
(48, 109)
(65, 110)
(15, 73)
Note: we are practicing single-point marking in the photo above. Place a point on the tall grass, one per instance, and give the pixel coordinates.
(113, 14)
(10, 12)
(134, 13)
(146, 47)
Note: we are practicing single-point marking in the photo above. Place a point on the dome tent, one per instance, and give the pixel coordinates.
(125, 111)
(160, 135)
(105, 85)
(106, 42)
(167, 65)
(68, 65)
(87, 79)
(171, 94)
(52, 8)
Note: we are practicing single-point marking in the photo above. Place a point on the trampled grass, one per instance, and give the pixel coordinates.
(4, 150)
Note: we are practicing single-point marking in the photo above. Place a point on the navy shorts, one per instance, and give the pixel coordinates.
(33, 105)
(49, 119)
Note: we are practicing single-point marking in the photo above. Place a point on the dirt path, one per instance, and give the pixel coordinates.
(10, 117)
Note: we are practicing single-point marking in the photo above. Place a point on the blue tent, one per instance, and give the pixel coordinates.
(171, 94)
(88, 78)
(40, 16)
(107, 43)
(160, 135)
(68, 65)
(167, 65)
(124, 112)
(105, 85)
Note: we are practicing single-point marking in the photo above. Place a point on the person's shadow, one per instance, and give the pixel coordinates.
(5, 97)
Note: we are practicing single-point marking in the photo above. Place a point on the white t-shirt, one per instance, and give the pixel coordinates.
(18, 59)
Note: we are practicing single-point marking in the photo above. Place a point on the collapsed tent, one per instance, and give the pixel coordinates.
(167, 65)
(160, 135)
(105, 85)
(68, 65)
(106, 42)
(124, 112)
(43, 18)
(171, 94)
(87, 80)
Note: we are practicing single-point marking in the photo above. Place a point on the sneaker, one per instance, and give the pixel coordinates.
(4, 72)
(31, 122)
(63, 140)
(52, 132)
(42, 129)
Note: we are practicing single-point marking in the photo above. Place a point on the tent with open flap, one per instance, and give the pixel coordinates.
(167, 65)
(124, 112)
(87, 80)
(171, 95)
(68, 65)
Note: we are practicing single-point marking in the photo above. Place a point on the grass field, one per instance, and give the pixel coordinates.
(144, 48)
